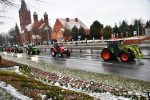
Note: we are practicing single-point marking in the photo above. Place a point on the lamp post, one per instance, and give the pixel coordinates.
(138, 29)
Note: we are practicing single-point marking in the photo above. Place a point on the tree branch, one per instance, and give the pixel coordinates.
(8, 2)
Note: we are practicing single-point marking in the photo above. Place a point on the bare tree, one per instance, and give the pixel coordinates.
(8, 2)
(12, 2)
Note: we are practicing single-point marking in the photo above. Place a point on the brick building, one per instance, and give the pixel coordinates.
(38, 32)
(63, 24)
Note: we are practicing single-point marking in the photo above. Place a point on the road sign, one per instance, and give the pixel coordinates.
(49, 42)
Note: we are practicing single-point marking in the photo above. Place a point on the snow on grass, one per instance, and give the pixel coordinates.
(12, 69)
(97, 96)
(5, 53)
(20, 56)
(101, 96)
(13, 91)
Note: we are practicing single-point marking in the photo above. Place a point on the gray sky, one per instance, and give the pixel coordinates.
(106, 12)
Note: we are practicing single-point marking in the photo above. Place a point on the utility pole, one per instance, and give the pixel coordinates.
(138, 28)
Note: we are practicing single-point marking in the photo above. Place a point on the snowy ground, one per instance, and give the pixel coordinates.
(97, 96)
(11, 90)
(15, 94)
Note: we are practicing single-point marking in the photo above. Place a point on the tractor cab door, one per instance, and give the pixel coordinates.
(114, 46)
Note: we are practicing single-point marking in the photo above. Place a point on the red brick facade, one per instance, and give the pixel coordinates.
(63, 24)
(24, 15)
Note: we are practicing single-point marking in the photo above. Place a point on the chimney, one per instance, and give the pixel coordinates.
(46, 18)
(76, 19)
(35, 17)
(67, 19)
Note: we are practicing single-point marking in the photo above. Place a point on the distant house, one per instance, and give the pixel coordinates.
(38, 32)
(63, 24)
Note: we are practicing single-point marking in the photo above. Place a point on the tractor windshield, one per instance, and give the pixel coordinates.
(114, 46)
(60, 44)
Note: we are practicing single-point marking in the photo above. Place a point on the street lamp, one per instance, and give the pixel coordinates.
(138, 28)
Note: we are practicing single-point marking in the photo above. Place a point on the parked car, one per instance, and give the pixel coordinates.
(59, 49)
(32, 49)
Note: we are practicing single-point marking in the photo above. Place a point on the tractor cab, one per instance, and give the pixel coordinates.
(114, 46)
(58, 45)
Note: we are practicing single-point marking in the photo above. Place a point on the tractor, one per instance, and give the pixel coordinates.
(7, 49)
(59, 49)
(118, 49)
(17, 49)
(32, 49)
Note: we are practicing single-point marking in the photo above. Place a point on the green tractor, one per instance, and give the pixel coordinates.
(118, 49)
(32, 49)
(17, 49)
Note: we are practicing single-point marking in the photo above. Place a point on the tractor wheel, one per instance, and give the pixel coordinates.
(131, 55)
(62, 55)
(124, 57)
(21, 51)
(68, 54)
(106, 54)
(38, 52)
(53, 53)
(16, 51)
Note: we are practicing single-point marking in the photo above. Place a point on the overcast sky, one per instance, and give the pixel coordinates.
(106, 12)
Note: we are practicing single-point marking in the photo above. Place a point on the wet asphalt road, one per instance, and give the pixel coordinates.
(94, 63)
